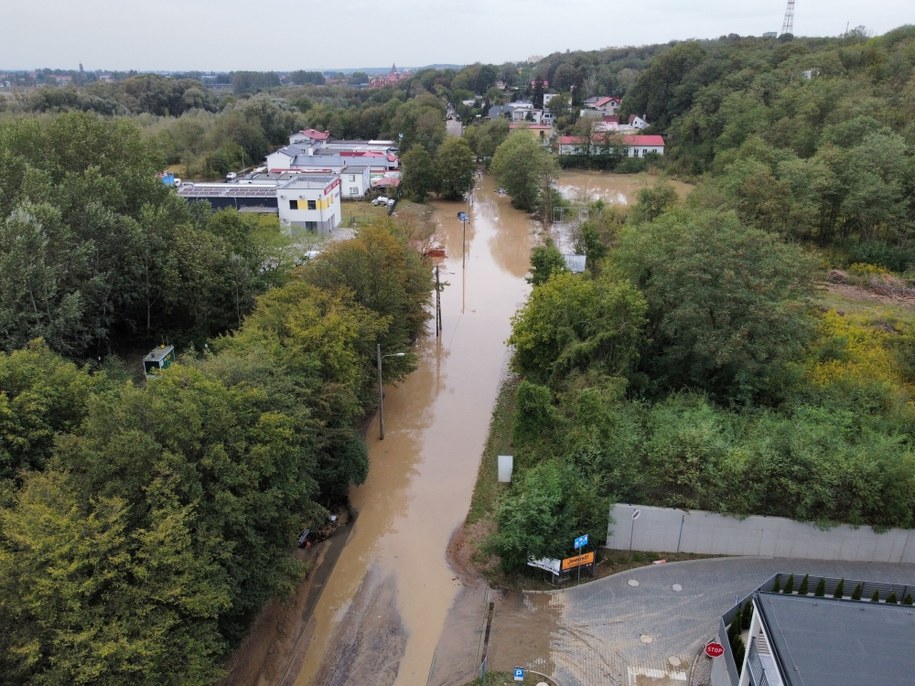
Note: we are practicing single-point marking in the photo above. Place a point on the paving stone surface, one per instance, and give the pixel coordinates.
(611, 632)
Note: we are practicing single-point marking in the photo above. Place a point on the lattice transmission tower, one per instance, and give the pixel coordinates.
(788, 24)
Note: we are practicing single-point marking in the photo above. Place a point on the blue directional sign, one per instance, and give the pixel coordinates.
(519, 674)
(462, 216)
(581, 541)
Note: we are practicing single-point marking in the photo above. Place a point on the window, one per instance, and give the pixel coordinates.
(353, 190)
(312, 205)
(311, 226)
(293, 204)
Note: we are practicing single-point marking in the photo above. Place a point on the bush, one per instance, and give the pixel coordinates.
(892, 599)
(747, 615)
(738, 649)
(856, 594)
(821, 588)
(802, 589)
(840, 589)
(908, 599)
(777, 586)
(789, 584)
(875, 598)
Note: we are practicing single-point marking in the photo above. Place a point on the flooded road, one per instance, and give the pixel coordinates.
(382, 611)
(422, 474)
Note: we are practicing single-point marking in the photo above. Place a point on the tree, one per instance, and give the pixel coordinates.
(418, 175)
(302, 77)
(727, 306)
(455, 165)
(543, 513)
(546, 260)
(651, 203)
(43, 396)
(575, 323)
(385, 275)
(524, 169)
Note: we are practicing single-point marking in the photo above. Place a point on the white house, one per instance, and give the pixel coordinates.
(310, 202)
(631, 146)
(642, 146)
(355, 181)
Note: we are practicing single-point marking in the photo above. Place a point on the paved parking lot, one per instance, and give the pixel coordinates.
(645, 626)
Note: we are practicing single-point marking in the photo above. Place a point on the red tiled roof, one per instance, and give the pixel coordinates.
(571, 140)
(644, 140)
(316, 135)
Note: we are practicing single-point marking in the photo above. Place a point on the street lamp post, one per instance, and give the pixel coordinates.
(463, 217)
(381, 391)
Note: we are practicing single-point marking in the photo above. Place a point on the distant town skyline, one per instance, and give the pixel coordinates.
(232, 35)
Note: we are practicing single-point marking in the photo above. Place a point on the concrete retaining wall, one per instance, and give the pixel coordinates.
(659, 529)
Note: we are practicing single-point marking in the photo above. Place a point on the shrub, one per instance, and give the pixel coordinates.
(875, 598)
(738, 649)
(777, 587)
(891, 598)
(840, 589)
(789, 584)
(802, 589)
(747, 615)
(821, 588)
(856, 594)
(908, 599)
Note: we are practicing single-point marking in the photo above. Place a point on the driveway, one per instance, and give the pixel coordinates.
(644, 626)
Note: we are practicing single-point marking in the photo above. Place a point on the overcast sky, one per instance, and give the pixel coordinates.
(273, 35)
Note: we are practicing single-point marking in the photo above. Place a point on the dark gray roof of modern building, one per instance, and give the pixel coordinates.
(830, 642)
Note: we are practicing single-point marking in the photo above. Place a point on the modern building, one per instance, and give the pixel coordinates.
(242, 197)
(820, 641)
(310, 202)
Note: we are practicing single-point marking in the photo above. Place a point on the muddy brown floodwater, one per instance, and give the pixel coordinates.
(382, 611)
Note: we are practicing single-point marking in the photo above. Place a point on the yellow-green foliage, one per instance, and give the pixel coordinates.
(856, 352)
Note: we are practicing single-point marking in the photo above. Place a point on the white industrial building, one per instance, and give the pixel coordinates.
(310, 202)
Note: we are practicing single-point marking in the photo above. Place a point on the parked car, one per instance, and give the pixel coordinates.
(382, 200)
(306, 538)
(231, 176)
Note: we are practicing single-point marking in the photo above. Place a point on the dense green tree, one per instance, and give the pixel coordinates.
(652, 202)
(41, 397)
(385, 275)
(301, 77)
(454, 165)
(546, 260)
(418, 174)
(573, 323)
(727, 305)
(523, 168)
(542, 514)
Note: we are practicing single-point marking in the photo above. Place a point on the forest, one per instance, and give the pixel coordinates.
(143, 526)
(706, 359)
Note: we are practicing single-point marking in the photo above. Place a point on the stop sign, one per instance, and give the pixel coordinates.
(714, 649)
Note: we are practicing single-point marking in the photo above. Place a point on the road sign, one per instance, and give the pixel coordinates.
(462, 216)
(714, 649)
(577, 561)
(636, 514)
(581, 541)
(519, 674)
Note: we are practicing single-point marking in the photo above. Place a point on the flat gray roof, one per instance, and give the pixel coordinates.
(830, 642)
